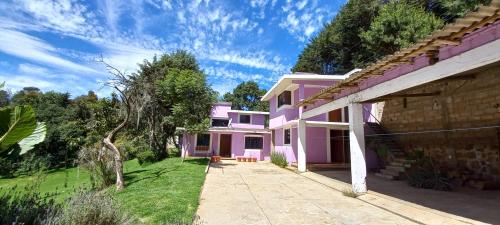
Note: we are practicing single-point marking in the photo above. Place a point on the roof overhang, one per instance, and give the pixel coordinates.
(248, 112)
(286, 80)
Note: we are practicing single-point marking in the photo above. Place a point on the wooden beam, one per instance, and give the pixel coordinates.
(447, 42)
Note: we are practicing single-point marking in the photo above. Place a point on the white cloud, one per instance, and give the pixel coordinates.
(259, 61)
(28, 47)
(19, 82)
(301, 4)
(63, 15)
(32, 69)
(301, 21)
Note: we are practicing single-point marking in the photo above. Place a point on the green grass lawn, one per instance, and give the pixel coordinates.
(164, 191)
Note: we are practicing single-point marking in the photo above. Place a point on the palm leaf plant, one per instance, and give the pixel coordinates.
(18, 126)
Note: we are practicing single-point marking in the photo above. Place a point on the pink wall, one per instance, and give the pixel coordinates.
(257, 121)
(316, 145)
(237, 145)
(219, 110)
(281, 117)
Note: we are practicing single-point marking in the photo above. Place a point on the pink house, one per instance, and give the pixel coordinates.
(233, 133)
(326, 134)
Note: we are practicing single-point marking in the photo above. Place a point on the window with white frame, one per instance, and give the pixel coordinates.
(245, 118)
(286, 136)
(202, 142)
(285, 98)
(254, 142)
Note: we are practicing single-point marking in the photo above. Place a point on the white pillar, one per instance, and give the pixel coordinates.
(301, 146)
(357, 147)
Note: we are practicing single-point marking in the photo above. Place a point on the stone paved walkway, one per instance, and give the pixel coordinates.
(261, 193)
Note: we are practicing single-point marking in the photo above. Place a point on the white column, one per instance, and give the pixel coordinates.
(357, 147)
(301, 146)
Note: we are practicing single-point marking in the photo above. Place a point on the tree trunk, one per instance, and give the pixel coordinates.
(118, 162)
(108, 142)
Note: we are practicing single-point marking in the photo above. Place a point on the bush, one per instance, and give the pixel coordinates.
(31, 164)
(89, 207)
(279, 158)
(146, 157)
(99, 161)
(25, 207)
(7, 167)
(174, 152)
(424, 174)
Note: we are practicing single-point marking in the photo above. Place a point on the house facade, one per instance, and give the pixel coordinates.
(326, 134)
(232, 133)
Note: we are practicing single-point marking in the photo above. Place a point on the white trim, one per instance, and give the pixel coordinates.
(253, 135)
(209, 144)
(288, 128)
(287, 79)
(328, 146)
(472, 59)
(251, 118)
(248, 112)
(218, 145)
(331, 125)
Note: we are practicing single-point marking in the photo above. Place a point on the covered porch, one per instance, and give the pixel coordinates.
(454, 53)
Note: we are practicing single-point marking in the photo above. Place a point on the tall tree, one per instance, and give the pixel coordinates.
(398, 25)
(337, 48)
(246, 96)
(122, 83)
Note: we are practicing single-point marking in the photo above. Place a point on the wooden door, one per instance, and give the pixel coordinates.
(337, 146)
(225, 145)
(335, 115)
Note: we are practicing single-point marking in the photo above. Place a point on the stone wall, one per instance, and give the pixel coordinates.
(462, 104)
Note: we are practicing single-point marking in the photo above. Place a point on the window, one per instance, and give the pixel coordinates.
(286, 136)
(253, 142)
(285, 98)
(244, 118)
(220, 122)
(202, 142)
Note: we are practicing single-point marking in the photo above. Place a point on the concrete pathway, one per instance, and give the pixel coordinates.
(261, 193)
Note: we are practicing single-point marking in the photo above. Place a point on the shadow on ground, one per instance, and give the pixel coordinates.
(479, 205)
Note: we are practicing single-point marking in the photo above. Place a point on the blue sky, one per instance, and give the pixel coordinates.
(53, 44)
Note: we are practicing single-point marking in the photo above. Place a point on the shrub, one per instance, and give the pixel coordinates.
(89, 207)
(100, 163)
(27, 206)
(279, 158)
(174, 152)
(31, 164)
(424, 174)
(7, 166)
(146, 157)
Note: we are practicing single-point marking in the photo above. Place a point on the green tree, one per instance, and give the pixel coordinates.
(337, 47)
(246, 96)
(149, 107)
(398, 25)
(190, 97)
(458, 8)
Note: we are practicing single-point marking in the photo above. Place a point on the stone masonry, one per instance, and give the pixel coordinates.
(468, 102)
